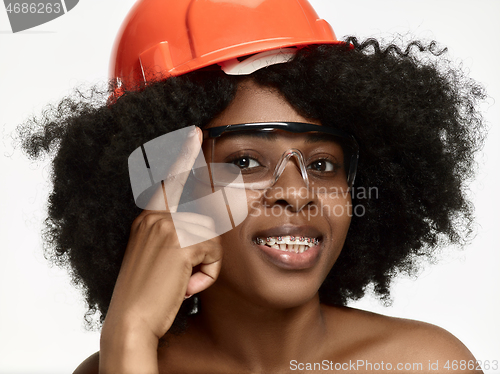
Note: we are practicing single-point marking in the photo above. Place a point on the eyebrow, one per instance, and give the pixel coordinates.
(318, 137)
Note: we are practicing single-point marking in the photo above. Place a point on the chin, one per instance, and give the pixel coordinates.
(289, 297)
(262, 283)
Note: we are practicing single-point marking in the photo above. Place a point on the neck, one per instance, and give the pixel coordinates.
(261, 337)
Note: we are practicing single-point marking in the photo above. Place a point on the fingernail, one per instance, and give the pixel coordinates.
(187, 296)
(193, 132)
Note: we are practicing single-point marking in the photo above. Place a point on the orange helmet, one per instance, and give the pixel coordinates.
(173, 37)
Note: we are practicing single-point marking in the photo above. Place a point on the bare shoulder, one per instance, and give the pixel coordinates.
(89, 366)
(379, 338)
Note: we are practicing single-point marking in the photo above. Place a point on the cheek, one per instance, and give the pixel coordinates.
(226, 206)
(254, 203)
(337, 209)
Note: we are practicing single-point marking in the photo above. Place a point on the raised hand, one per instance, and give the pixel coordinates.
(157, 274)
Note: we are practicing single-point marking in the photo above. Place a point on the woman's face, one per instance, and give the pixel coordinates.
(269, 276)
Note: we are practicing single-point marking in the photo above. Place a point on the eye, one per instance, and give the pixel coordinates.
(245, 162)
(323, 165)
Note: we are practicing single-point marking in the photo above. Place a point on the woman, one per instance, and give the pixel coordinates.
(251, 293)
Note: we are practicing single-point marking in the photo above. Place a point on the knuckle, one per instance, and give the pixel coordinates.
(194, 254)
(211, 248)
(136, 222)
(141, 220)
(149, 220)
(164, 225)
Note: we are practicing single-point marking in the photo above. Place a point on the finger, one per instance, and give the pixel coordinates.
(184, 228)
(151, 216)
(203, 279)
(200, 233)
(170, 189)
(207, 272)
(189, 234)
(195, 219)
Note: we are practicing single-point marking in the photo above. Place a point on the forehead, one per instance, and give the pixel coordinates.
(254, 103)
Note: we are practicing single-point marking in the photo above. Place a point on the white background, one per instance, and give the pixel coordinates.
(41, 328)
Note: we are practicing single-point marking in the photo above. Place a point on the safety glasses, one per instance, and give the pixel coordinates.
(325, 157)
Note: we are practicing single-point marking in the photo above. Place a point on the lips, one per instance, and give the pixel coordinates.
(290, 260)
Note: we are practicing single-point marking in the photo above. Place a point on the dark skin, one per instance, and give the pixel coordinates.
(257, 315)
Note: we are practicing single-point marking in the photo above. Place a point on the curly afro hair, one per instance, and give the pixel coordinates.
(414, 116)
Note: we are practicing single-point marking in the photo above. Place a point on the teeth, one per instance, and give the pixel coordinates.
(289, 243)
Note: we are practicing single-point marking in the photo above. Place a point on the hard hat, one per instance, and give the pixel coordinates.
(174, 37)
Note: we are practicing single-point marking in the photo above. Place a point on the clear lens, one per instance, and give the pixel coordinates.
(261, 156)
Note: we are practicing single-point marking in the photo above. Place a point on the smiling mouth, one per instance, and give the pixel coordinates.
(289, 243)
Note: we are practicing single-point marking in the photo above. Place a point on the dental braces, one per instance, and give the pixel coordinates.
(301, 240)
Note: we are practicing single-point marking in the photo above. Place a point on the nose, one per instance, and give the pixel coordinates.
(297, 156)
(291, 183)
